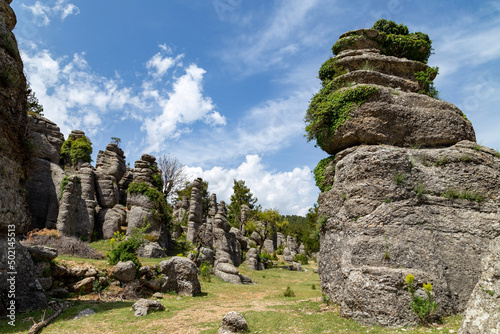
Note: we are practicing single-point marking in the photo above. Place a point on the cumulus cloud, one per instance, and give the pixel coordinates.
(290, 192)
(43, 14)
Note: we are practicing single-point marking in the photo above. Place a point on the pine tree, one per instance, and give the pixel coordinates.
(241, 195)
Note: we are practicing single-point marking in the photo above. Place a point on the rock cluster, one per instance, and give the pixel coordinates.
(419, 199)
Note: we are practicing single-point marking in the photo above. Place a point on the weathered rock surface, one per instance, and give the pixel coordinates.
(42, 253)
(229, 273)
(43, 191)
(252, 260)
(483, 309)
(112, 161)
(269, 246)
(181, 275)
(226, 246)
(46, 138)
(143, 306)
(86, 285)
(106, 190)
(151, 250)
(109, 221)
(125, 271)
(74, 219)
(233, 322)
(393, 207)
(195, 211)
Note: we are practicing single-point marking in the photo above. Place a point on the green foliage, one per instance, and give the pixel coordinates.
(490, 292)
(390, 27)
(186, 192)
(322, 221)
(441, 162)
(420, 190)
(344, 43)
(319, 173)
(126, 250)
(326, 299)
(162, 210)
(464, 194)
(32, 104)
(399, 178)
(63, 185)
(241, 195)
(206, 271)
(329, 109)
(288, 292)
(423, 307)
(116, 140)
(73, 150)
(425, 80)
(330, 70)
(301, 258)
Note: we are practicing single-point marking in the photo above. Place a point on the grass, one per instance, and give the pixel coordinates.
(464, 194)
(399, 178)
(263, 305)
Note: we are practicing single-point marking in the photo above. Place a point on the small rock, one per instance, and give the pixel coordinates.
(125, 271)
(43, 253)
(84, 313)
(86, 285)
(143, 306)
(233, 322)
(158, 295)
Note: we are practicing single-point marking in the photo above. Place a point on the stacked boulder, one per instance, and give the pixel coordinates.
(412, 192)
(110, 169)
(195, 216)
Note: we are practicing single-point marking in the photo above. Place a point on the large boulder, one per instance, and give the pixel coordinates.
(106, 189)
(180, 275)
(143, 306)
(429, 212)
(483, 309)
(229, 273)
(151, 250)
(252, 260)
(125, 271)
(110, 220)
(226, 246)
(195, 211)
(46, 138)
(112, 161)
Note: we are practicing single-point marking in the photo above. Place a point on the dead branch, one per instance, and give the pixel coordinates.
(58, 309)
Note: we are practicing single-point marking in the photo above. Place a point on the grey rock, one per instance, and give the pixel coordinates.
(181, 275)
(158, 295)
(233, 322)
(141, 209)
(84, 313)
(74, 218)
(252, 260)
(86, 285)
(110, 220)
(371, 213)
(143, 306)
(43, 190)
(151, 250)
(45, 282)
(229, 273)
(226, 246)
(42, 253)
(106, 190)
(280, 239)
(269, 246)
(195, 211)
(112, 161)
(46, 138)
(125, 271)
(482, 314)
(291, 243)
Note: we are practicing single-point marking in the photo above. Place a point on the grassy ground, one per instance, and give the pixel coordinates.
(263, 305)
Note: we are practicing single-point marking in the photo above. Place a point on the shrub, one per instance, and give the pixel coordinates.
(126, 250)
(399, 178)
(205, 271)
(464, 194)
(423, 307)
(425, 81)
(329, 109)
(329, 70)
(319, 174)
(301, 258)
(73, 150)
(162, 210)
(288, 292)
(390, 27)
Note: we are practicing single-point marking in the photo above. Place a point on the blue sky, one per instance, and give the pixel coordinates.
(223, 85)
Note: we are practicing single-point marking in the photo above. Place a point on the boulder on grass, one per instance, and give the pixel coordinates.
(233, 322)
(125, 271)
(143, 306)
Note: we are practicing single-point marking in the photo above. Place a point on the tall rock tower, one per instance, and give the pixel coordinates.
(406, 189)
(18, 284)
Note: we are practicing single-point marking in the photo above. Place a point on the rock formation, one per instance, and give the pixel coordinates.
(195, 212)
(181, 275)
(16, 266)
(411, 193)
(483, 309)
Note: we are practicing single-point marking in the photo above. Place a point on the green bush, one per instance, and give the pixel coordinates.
(464, 194)
(329, 109)
(425, 80)
(390, 27)
(162, 210)
(205, 271)
(319, 174)
(329, 70)
(288, 292)
(301, 258)
(126, 250)
(73, 150)
(423, 307)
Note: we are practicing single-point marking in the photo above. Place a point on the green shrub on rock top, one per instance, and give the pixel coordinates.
(390, 27)
(329, 109)
(425, 80)
(162, 210)
(73, 150)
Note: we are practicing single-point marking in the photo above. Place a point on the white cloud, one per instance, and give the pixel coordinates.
(160, 63)
(42, 14)
(291, 192)
(184, 105)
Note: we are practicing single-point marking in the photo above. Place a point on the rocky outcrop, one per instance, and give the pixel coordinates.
(229, 273)
(483, 309)
(180, 275)
(180, 213)
(16, 266)
(109, 221)
(252, 260)
(112, 161)
(421, 199)
(45, 137)
(195, 211)
(74, 218)
(125, 271)
(151, 250)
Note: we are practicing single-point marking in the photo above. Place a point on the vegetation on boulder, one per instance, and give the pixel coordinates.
(162, 210)
(73, 150)
(319, 174)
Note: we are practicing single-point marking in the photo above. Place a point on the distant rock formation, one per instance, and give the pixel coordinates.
(412, 192)
(16, 266)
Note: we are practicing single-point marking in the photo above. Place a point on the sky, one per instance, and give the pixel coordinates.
(223, 85)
